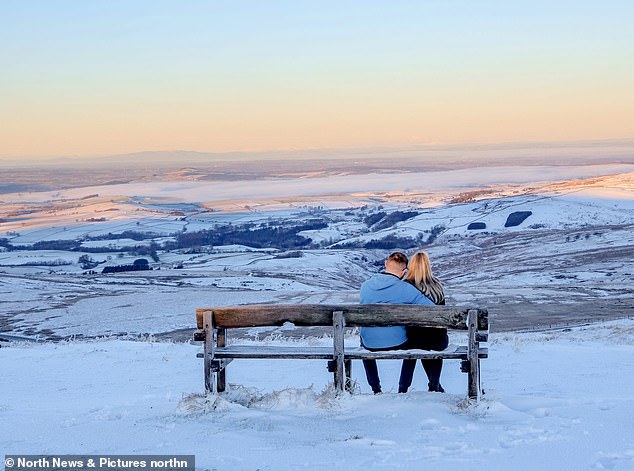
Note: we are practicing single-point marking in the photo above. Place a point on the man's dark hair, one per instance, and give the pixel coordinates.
(398, 257)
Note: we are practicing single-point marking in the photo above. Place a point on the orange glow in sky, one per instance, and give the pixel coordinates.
(91, 78)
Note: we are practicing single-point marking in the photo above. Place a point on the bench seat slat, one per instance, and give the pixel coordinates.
(269, 351)
(450, 353)
(351, 353)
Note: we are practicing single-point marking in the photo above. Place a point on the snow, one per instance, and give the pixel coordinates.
(553, 400)
(592, 207)
(253, 194)
(557, 195)
(558, 399)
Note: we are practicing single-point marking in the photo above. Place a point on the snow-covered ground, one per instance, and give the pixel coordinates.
(217, 192)
(571, 255)
(553, 401)
(559, 399)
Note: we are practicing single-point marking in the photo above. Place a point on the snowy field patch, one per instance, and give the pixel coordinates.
(553, 400)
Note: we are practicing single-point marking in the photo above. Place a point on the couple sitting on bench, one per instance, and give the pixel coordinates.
(420, 286)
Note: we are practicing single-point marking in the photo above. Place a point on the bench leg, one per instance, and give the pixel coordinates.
(208, 349)
(338, 339)
(472, 356)
(207, 368)
(214, 380)
(348, 366)
(208, 379)
(221, 381)
(221, 377)
(474, 380)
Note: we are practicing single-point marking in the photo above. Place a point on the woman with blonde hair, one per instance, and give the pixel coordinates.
(419, 275)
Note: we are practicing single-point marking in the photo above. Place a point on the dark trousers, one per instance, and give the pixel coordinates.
(371, 370)
(425, 338)
(372, 375)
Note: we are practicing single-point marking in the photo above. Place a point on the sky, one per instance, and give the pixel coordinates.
(82, 78)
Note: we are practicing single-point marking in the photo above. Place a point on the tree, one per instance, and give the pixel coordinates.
(87, 263)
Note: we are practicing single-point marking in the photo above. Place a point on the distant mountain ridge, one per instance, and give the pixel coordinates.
(573, 152)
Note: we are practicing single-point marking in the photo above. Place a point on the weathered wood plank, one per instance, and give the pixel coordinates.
(348, 366)
(350, 353)
(221, 376)
(338, 344)
(483, 352)
(208, 348)
(459, 353)
(472, 357)
(270, 351)
(408, 314)
(356, 315)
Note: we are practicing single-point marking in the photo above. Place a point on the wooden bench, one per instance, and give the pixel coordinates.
(214, 322)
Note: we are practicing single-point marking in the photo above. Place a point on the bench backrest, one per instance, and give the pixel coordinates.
(355, 315)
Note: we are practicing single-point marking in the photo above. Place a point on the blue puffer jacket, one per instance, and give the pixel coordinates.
(384, 288)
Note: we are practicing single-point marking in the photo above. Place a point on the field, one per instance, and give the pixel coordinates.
(102, 362)
(302, 240)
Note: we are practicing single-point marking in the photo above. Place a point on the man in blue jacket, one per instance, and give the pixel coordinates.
(388, 288)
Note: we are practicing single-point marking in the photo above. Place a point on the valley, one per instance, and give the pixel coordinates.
(568, 262)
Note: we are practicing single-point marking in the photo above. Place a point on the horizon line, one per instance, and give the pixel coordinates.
(327, 152)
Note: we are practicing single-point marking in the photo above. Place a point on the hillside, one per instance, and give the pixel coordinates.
(573, 248)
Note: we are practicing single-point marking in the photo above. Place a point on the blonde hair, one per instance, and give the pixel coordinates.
(420, 275)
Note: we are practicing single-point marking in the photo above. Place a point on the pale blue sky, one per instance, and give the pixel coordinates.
(95, 77)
